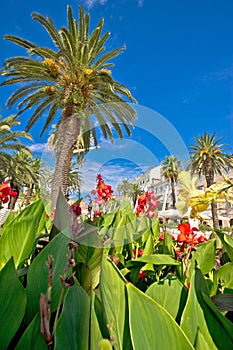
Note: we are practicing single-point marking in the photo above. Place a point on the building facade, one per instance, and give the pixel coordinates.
(153, 180)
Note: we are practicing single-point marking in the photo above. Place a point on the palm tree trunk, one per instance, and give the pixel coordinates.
(30, 190)
(66, 169)
(68, 133)
(209, 176)
(13, 200)
(214, 212)
(173, 194)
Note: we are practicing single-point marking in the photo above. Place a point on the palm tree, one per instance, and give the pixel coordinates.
(74, 78)
(22, 171)
(10, 142)
(208, 158)
(135, 192)
(170, 170)
(124, 188)
(75, 180)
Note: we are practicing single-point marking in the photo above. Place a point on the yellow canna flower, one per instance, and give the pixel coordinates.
(190, 196)
(199, 200)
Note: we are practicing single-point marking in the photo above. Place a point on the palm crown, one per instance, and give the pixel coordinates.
(73, 77)
(207, 155)
(171, 167)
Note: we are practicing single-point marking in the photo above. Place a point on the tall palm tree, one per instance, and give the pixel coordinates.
(207, 157)
(74, 79)
(170, 170)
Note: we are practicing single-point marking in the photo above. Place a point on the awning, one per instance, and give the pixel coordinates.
(169, 214)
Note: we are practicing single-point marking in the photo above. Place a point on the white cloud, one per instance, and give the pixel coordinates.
(38, 147)
(118, 144)
(91, 3)
(113, 173)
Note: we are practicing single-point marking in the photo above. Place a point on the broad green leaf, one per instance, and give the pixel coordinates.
(170, 293)
(18, 236)
(9, 218)
(205, 256)
(168, 246)
(72, 331)
(224, 275)
(225, 327)
(156, 259)
(12, 304)
(149, 244)
(104, 345)
(95, 333)
(227, 242)
(40, 229)
(151, 326)
(112, 288)
(38, 275)
(101, 316)
(155, 227)
(198, 315)
(91, 257)
(32, 338)
(121, 227)
(200, 342)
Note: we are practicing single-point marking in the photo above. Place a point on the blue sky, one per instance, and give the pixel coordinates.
(178, 62)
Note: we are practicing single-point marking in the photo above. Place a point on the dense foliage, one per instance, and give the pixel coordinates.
(124, 284)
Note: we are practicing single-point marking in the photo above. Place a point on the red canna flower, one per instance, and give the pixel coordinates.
(142, 275)
(76, 209)
(6, 192)
(147, 203)
(97, 213)
(135, 255)
(188, 237)
(103, 190)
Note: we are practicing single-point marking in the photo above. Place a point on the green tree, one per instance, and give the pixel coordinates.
(135, 192)
(170, 170)
(10, 142)
(74, 79)
(124, 188)
(207, 157)
(22, 171)
(75, 180)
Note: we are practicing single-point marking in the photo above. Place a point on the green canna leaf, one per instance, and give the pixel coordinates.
(17, 238)
(12, 303)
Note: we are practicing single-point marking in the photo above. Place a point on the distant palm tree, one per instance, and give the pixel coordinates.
(170, 170)
(135, 192)
(124, 188)
(21, 171)
(208, 158)
(75, 180)
(73, 78)
(10, 142)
